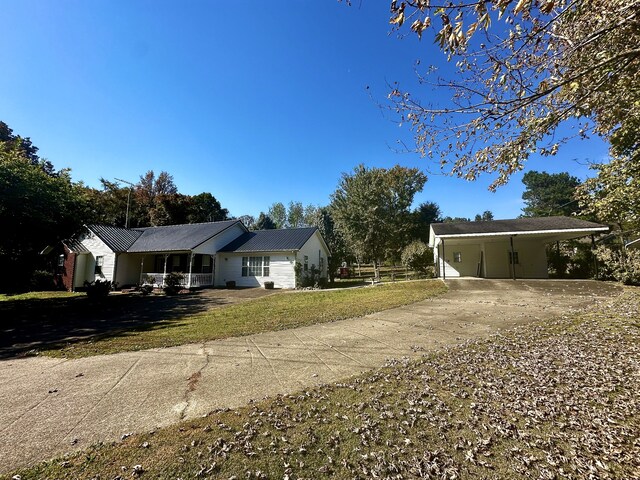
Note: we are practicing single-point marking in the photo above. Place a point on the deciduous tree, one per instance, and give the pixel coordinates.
(371, 206)
(36, 209)
(206, 208)
(322, 218)
(523, 69)
(613, 195)
(278, 214)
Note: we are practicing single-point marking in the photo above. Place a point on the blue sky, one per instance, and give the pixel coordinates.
(255, 102)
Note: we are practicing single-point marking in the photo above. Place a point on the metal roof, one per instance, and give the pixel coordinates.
(117, 239)
(515, 226)
(171, 238)
(75, 246)
(288, 239)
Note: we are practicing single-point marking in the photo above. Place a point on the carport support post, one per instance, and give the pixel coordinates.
(141, 270)
(513, 260)
(444, 270)
(593, 252)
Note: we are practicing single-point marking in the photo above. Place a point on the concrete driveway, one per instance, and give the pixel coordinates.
(52, 406)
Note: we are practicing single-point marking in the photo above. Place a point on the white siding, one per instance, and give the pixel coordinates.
(314, 249)
(128, 271)
(281, 272)
(98, 248)
(80, 271)
(470, 256)
(214, 244)
(532, 259)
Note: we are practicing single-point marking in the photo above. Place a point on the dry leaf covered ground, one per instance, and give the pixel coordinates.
(554, 399)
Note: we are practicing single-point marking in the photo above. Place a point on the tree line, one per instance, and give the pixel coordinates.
(369, 217)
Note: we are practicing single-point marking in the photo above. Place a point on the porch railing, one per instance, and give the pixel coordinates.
(189, 280)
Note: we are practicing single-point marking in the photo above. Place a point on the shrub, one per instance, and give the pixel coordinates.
(99, 288)
(173, 283)
(42, 280)
(310, 278)
(622, 265)
(269, 285)
(417, 256)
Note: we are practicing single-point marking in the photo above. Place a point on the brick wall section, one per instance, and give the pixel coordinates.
(64, 274)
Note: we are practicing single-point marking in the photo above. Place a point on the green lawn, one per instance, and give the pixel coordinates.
(6, 297)
(277, 312)
(554, 399)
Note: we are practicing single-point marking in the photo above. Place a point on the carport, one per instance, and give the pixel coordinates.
(502, 248)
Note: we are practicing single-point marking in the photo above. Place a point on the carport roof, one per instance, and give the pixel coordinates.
(517, 226)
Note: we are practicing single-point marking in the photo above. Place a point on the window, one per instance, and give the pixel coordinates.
(514, 259)
(306, 263)
(175, 261)
(457, 257)
(321, 265)
(61, 261)
(99, 264)
(206, 263)
(255, 266)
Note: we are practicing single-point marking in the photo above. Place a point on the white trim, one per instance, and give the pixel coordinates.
(515, 234)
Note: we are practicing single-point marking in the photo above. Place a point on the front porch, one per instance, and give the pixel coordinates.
(197, 270)
(190, 280)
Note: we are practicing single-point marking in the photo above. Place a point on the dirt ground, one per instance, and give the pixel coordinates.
(52, 406)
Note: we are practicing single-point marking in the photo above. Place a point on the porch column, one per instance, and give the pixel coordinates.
(444, 267)
(513, 262)
(213, 269)
(164, 272)
(190, 270)
(141, 269)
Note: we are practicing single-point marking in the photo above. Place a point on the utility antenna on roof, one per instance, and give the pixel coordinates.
(131, 185)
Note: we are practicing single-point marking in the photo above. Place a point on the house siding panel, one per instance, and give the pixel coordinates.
(468, 267)
(314, 249)
(281, 270)
(128, 271)
(81, 265)
(98, 248)
(211, 246)
(532, 259)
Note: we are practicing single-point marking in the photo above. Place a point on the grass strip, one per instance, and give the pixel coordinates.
(276, 312)
(7, 297)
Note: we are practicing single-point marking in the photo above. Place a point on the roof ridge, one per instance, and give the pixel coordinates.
(183, 224)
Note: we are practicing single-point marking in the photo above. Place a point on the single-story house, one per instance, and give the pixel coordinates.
(207, 254)
(502, 248)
